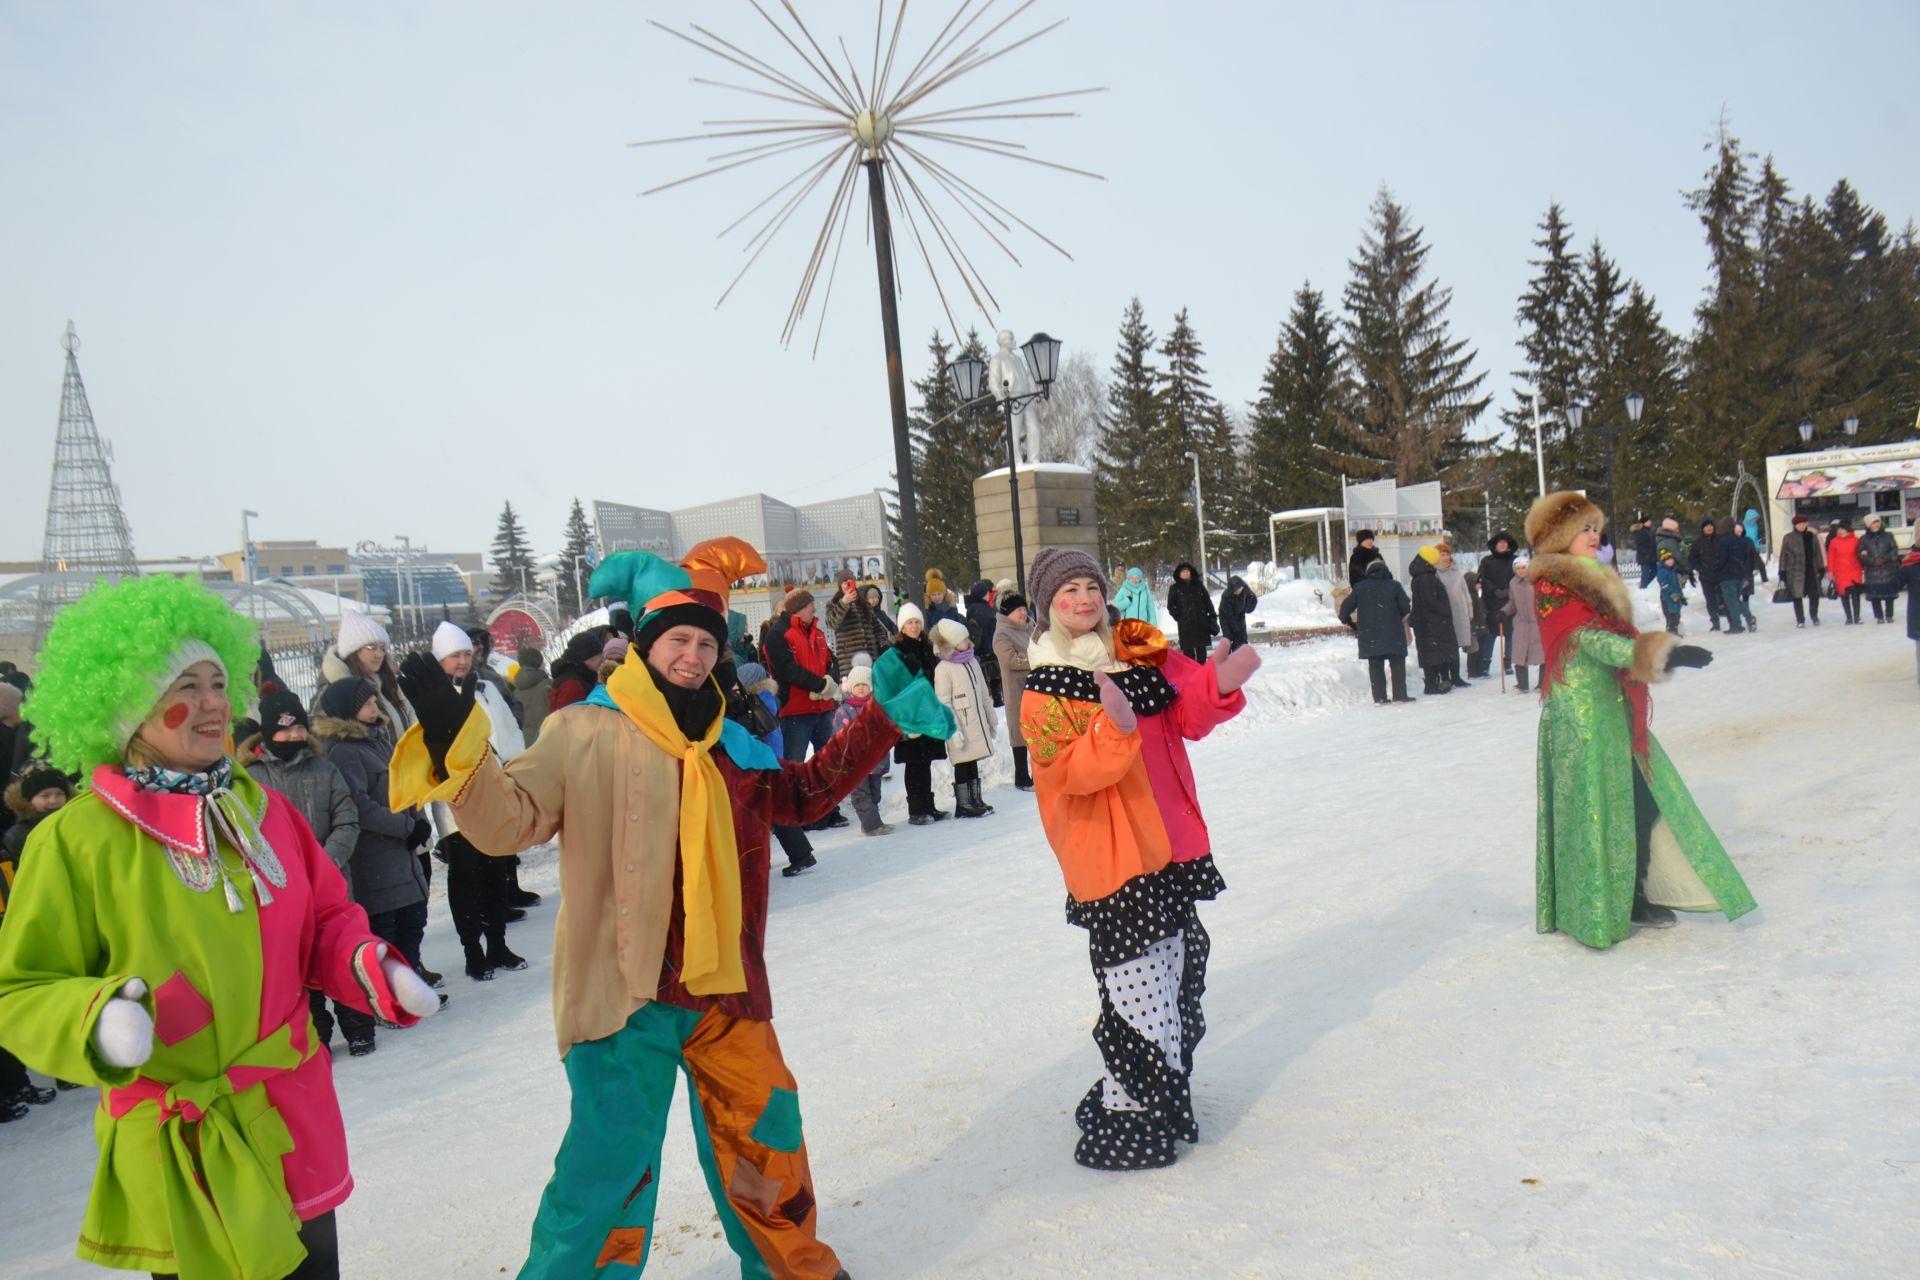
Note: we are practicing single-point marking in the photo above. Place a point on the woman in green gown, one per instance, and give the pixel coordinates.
(1620, 840)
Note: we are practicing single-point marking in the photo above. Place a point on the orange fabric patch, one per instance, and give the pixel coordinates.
(626, 1245)
(753, 1188)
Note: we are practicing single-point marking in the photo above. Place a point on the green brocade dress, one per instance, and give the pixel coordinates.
(1586, 860)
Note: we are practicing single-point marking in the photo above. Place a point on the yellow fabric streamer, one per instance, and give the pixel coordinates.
(411, 783)
(709, 856)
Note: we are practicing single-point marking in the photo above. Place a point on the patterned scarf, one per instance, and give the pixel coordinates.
(159, 778)
(1563, 614)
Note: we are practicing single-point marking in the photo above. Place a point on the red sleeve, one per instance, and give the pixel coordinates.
(1198, 708)
(804, 793)
(339, 932)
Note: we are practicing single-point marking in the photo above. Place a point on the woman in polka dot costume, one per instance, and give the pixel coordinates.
(1106, 716)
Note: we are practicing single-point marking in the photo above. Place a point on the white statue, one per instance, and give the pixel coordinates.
(1008, 377)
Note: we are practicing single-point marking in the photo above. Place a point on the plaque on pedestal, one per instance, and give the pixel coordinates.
(1056, 510)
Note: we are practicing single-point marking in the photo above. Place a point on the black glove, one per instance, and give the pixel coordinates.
(421, 835)
(440, 707)
(1688, 655)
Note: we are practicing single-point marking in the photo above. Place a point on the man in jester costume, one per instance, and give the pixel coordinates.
(1620, 840)
(162, 936)
(664, 808)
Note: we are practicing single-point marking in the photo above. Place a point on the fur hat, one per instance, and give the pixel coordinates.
(910, 611)
(948, 635)
(1011, 600)
(1553, 522)
(1053, 569)
(357, 631)
(858, 675)
(44, 778)
(1364, 535)
(796, 600)
(936, 581)
(449, 639)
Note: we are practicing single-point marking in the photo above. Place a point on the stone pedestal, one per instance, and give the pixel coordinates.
(1056, 510)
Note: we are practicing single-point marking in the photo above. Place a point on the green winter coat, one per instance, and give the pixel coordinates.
(214, 1151)
(1587, 841)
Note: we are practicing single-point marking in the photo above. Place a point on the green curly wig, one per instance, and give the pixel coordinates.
(106, 659)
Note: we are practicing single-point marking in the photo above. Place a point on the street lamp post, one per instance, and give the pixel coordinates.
(1636, 405)
(403, 584)
(966, 375)
(1539, 458)
(1199, 515)
(579, 593)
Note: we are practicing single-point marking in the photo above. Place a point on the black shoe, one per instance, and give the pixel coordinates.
(1652, 917)
(832, 821)
(524, 898)
(1380, 702)
(437, 981)
(512, 914)
(10, 1111)
(1405, 698)
(938, 815)
(477, 967)
(799, 868)
(920, 820)
(65, 1086)
(1023, 786)
(499, 957)
(33, 1095)
(360, 1048)
(443, 999)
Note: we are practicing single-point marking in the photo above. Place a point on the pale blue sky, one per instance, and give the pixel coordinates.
(371, 268)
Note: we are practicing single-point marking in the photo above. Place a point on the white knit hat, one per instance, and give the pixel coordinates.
(449, 639)
(948, 635)
(191, 651)
(910, 610)
(858, 674)
(357, 631)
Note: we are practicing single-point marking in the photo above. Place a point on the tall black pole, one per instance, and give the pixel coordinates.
(1613, 509)
(1013, 489)
(896, 379)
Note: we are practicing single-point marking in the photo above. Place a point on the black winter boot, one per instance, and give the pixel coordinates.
(477, 967)
(967, 802)
(498, 956)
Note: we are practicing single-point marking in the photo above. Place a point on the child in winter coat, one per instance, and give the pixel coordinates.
(858, 688)
(962, 688)
(1672, 598)
(286, 761)
(1524, 649)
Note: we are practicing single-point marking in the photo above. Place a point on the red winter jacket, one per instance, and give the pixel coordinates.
(1843, 561)
(801, 662)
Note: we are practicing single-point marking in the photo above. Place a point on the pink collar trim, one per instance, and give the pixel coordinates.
(177, 821)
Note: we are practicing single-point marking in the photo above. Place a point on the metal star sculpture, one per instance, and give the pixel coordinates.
(889, 126)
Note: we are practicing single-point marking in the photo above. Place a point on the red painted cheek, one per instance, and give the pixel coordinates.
(176, 715)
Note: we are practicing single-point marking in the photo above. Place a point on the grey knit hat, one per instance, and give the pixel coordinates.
(1053, 569)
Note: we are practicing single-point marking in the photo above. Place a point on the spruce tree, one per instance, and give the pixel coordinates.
(1293, 428)
(1140, 500)
(513, 564)
(953, 445)
(1191, 420)
(571, 571)
(1410, 393)
(1549, 316)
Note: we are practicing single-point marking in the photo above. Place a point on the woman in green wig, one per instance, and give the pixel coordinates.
(160, 943)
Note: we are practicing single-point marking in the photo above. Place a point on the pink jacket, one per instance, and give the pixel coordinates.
(1163, 746)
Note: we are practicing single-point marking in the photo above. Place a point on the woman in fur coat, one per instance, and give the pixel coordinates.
(1620, 840)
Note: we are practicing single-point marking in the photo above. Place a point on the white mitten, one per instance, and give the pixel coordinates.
(410, 992)
(829, 694)
(123, 1033)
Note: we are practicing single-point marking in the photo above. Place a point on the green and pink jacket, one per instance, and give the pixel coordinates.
(214, 1151)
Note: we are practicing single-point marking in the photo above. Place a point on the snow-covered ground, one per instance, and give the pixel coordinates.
(1401, 1078)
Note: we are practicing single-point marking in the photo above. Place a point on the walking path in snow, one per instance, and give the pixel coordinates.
(1401, 1078)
